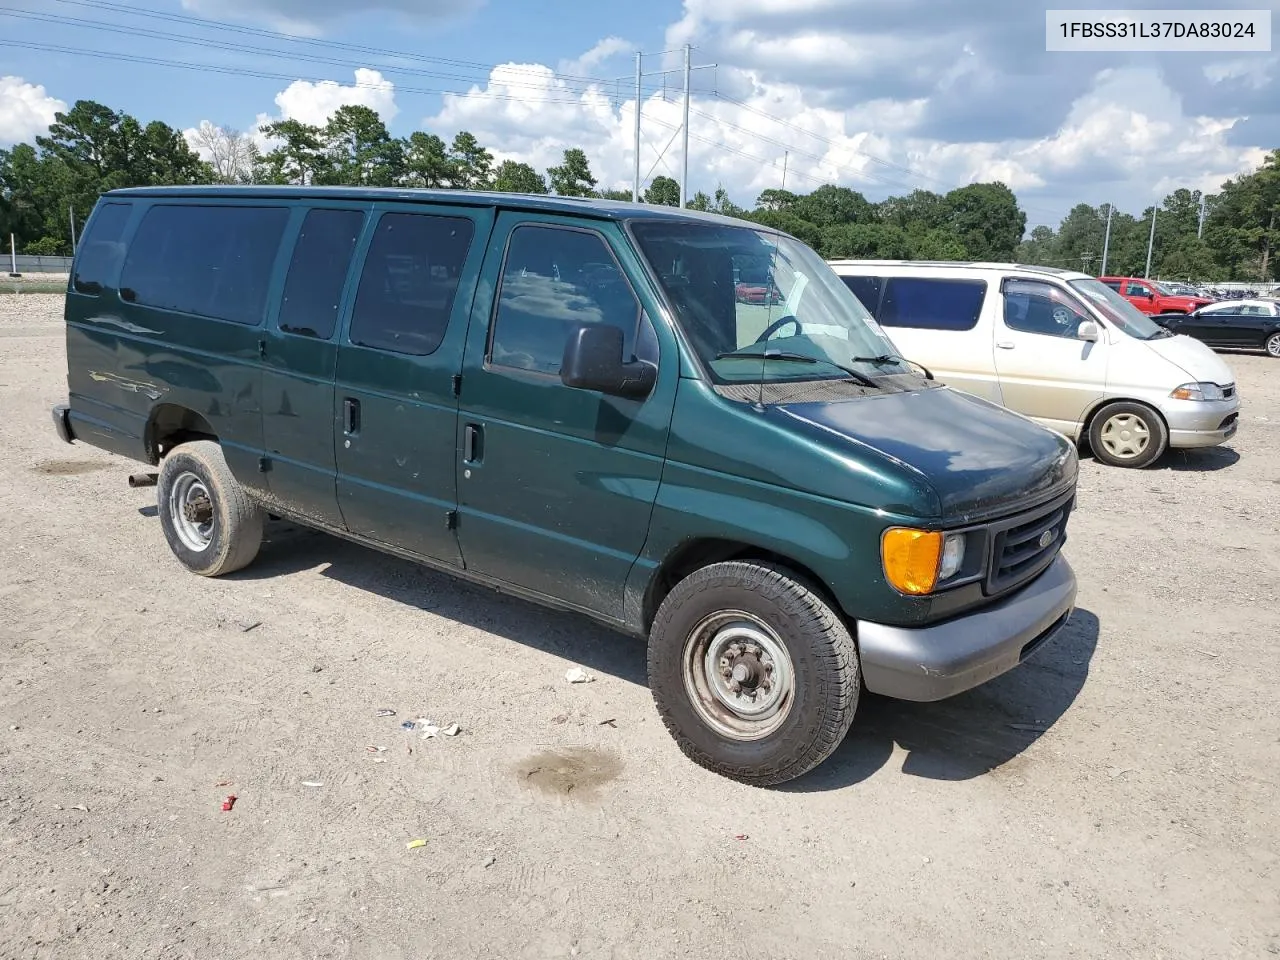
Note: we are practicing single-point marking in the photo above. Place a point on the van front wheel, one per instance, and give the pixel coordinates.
(1128, 435)
(753, 673)
(211, 524)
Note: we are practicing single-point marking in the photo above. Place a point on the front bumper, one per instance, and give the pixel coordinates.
(62, 423)
(932, 663)
(1201, 423)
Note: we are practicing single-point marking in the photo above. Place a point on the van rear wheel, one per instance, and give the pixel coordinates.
(1128, 434)
(211, 524)
(753, 673)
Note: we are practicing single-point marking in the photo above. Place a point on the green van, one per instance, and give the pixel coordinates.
(575, 402)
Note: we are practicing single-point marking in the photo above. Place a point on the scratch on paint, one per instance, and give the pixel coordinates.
(123, 325)
(133, 386)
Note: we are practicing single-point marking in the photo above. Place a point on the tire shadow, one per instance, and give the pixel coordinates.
(971, 734)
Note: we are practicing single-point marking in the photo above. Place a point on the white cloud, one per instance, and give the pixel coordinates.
(26, 110)
(310, 17)
(313, 103)
(606, 49)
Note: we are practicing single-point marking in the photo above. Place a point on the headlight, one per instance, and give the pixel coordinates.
(915, 561)
(1198, 391)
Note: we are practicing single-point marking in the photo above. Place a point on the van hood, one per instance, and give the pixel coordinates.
(1192, 357)
(981, 460)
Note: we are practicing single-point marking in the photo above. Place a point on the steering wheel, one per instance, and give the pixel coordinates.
(778, 325)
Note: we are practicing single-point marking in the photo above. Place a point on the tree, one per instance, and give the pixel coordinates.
(87, 136)
(614, 195)
(426, 161)
(300, 158)
(573, 177)
(700, 201)
(512, 177)
(1244, 228)
(232, 154)
(830, 205)
(721, 204)
(160, 156)
(472, 164)
(663, 191)
(802, 230)
(922, 207)
(359, 150)
(775, 200)
(987, 220)
(880, 241)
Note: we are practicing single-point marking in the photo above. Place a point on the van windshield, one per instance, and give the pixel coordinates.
(759, 306)
(1122, 314)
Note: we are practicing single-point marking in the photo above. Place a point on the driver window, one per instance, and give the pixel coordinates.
(1041, 308)
(1139, 290)
(554, 279)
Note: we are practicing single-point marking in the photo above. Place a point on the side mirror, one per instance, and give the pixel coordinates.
(1151, 296)
(593, 361)
(1088, 330)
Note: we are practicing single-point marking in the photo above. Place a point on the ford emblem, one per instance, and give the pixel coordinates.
(1047, 538)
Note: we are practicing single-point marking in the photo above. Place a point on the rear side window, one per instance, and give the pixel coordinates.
(1113, 284)
(100, 249)
(212, 261)
(931, 304)
(867, 290)
(555, 279)
(318, 272)
(409, 282)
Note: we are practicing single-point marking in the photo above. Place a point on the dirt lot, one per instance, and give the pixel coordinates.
(1114, 798)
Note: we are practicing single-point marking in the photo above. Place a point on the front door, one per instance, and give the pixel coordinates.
(1046, 371)
(555, 484)
(1140, 295)
(395, 403)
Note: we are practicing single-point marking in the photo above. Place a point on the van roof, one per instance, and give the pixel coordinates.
(968, 265)
(572, 206)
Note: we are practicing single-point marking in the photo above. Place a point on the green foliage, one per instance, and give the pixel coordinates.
(614, 195)
(512, 177)
(426, 161)
(359, 151)
(573, 177)
(699, 201)
(663, 191)
(48, 247)
(472, 164)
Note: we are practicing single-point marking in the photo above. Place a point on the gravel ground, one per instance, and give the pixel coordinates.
(1116, 797)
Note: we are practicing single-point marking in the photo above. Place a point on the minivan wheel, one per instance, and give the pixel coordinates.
(1273, 345)
(1128, 435)
(753, 673)
(211, 524)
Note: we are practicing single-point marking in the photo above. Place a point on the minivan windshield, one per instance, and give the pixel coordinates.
(759, 306)
(1123, 314)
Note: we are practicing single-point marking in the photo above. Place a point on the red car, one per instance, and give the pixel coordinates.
(1152, 297)
(765, 293)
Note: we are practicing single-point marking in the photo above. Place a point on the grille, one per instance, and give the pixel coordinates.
(1018, 553)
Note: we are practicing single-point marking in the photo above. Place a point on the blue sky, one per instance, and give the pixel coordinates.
(882, 95)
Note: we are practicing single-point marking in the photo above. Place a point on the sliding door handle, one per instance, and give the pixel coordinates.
(1004, 344)
(472, 443)
(350, 416)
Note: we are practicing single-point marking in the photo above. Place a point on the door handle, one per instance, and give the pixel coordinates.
(350, 416)
(1004, 344)
(472, 443)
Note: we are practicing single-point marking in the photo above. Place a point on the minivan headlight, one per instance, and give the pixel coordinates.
(1198, 391)
(916, 561)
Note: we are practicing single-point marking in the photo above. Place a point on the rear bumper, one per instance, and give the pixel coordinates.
(62, 423)
(933, 663)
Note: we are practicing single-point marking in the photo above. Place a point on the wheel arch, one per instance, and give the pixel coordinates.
(1092, 414)
(170, 424)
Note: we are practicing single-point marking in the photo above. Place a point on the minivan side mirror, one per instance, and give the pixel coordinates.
(1088, 330)
(593, 361)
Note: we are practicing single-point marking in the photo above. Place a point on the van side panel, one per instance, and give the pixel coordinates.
(138, 354)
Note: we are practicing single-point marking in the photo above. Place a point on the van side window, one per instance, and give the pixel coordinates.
(1042, 308)
(409, 281)
(931, 304)
(100, 248)
(553, 280)
(318, 272)
(867, 290)
(212, 261)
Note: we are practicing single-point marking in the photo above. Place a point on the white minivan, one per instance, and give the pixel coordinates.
(1056, 346)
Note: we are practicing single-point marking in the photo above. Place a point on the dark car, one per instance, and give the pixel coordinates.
(1231, 324)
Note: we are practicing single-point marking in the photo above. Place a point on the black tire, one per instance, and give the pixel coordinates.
(823, 665)
(1112, 417)
(192, 475)
(1273, 345)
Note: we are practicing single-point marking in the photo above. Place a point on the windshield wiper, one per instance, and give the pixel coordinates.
(886, 358)
(862, 378)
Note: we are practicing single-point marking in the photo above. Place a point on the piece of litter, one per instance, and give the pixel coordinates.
(1032, 727)
(415, 844)
(490, 862)
(408, 726)
(578, 675)
(926, 860)
(246, 627)
(316, 668)
(429, 732)
(312, 783)
(81, 807)
(1120, 771)
(13, 728)
(560, 719)
(611, 722)
(452, 730)
(1206, 653)
(228, 803)
(741, 836)
(373, 749)
(385, 712)
(220, 783)
(378, 759)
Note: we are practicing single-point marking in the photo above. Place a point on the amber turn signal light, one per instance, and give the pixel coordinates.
(911, 558)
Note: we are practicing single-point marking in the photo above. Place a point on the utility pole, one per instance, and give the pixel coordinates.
(1106, 240)
(72, 211)
(1085, 259)
(785, 157)
(635, 187)
(13, 256)
(1200, 228)
(684, 179)
(1151, 242)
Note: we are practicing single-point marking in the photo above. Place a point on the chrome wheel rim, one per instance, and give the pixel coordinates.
(738, 675)
(1273, 345)
(1125, 436)
(191, 511)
